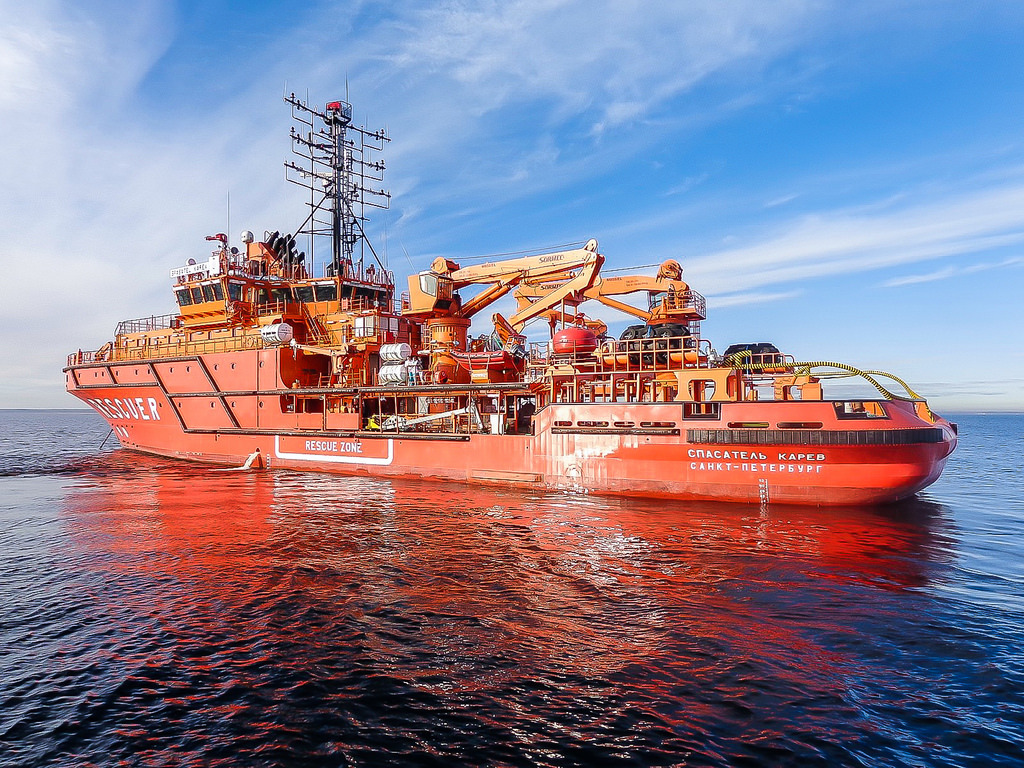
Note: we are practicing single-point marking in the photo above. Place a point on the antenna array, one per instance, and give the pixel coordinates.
(341, 172)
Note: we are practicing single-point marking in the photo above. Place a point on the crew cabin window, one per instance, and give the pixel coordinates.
(428, 283)
(235, 290)
(209, 294)
(260, 295)
(303, 293)
(326, 291)
(183, 296)
(281, 295)
(197, 295)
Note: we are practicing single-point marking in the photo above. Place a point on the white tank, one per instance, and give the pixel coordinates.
(278, 333)
(395, 353)
(392, 373)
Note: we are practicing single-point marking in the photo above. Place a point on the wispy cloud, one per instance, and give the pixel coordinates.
(836, 242)
(940, 274)
(739, 299)
(951, 271)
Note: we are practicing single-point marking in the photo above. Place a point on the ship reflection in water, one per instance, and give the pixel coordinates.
(260, 618)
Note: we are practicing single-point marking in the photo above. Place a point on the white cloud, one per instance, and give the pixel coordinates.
(940, 274)
(841, 241)
(739, 299)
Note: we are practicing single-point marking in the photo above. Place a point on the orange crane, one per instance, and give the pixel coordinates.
(670, 299)
(434, 293)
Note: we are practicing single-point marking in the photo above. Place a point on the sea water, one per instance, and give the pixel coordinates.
(158, 613)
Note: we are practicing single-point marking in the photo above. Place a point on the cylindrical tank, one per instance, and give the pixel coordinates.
(574, 341)
(448, 331)
(392, 373)
(395, 353)
(278, 333)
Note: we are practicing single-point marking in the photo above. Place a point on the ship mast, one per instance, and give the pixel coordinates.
(339, 165)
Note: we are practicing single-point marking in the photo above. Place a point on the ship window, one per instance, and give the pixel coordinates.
(208, 293)
(197, 296)
(235, 290)
(280, 295)
(859, 409)
(260, 295)
(428, 283)
(218, 292)
(326, 292)
(702, 410)
(184, 298)
(748, 425)
(303, 292)
(800, 425)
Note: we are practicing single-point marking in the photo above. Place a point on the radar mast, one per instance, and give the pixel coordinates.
(342, 173)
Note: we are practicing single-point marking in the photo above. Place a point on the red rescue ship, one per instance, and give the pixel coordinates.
(266, 364)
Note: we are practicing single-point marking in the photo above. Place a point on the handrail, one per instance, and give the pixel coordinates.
(151, 323)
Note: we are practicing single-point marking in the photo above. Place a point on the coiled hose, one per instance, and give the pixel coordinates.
(736, 361)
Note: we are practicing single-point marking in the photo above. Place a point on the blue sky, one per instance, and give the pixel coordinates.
(844, 179)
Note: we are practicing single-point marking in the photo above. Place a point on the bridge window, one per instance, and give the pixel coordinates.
(197, 295)
(183, 296)
(303, 293)
(235, 290)
(326, 291)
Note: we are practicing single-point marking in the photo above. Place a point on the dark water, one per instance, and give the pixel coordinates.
(160, 614)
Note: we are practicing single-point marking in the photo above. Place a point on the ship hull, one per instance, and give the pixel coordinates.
(210, 410)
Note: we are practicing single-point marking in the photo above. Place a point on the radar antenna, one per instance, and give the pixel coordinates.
(340, 168)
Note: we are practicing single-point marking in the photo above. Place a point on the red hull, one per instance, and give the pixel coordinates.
(213, 409)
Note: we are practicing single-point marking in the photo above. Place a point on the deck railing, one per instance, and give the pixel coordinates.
(151, 323)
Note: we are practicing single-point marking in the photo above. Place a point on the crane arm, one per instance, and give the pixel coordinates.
(677, 302)
(579, 283)
(432, 293)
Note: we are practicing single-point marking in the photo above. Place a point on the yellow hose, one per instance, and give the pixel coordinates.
(735, 360)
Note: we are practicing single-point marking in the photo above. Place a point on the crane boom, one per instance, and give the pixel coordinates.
(434, 294)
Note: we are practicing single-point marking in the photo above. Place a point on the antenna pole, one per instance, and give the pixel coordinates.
(344, 168)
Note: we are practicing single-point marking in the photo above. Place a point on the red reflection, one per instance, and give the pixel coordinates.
(475, 586)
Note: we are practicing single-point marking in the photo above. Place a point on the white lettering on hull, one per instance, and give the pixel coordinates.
(353, 455)
(755, 461)
(127, 409)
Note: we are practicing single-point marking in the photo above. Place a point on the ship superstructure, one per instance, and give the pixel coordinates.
(267, 363)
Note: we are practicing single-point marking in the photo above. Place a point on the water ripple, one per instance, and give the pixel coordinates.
(158, 613)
